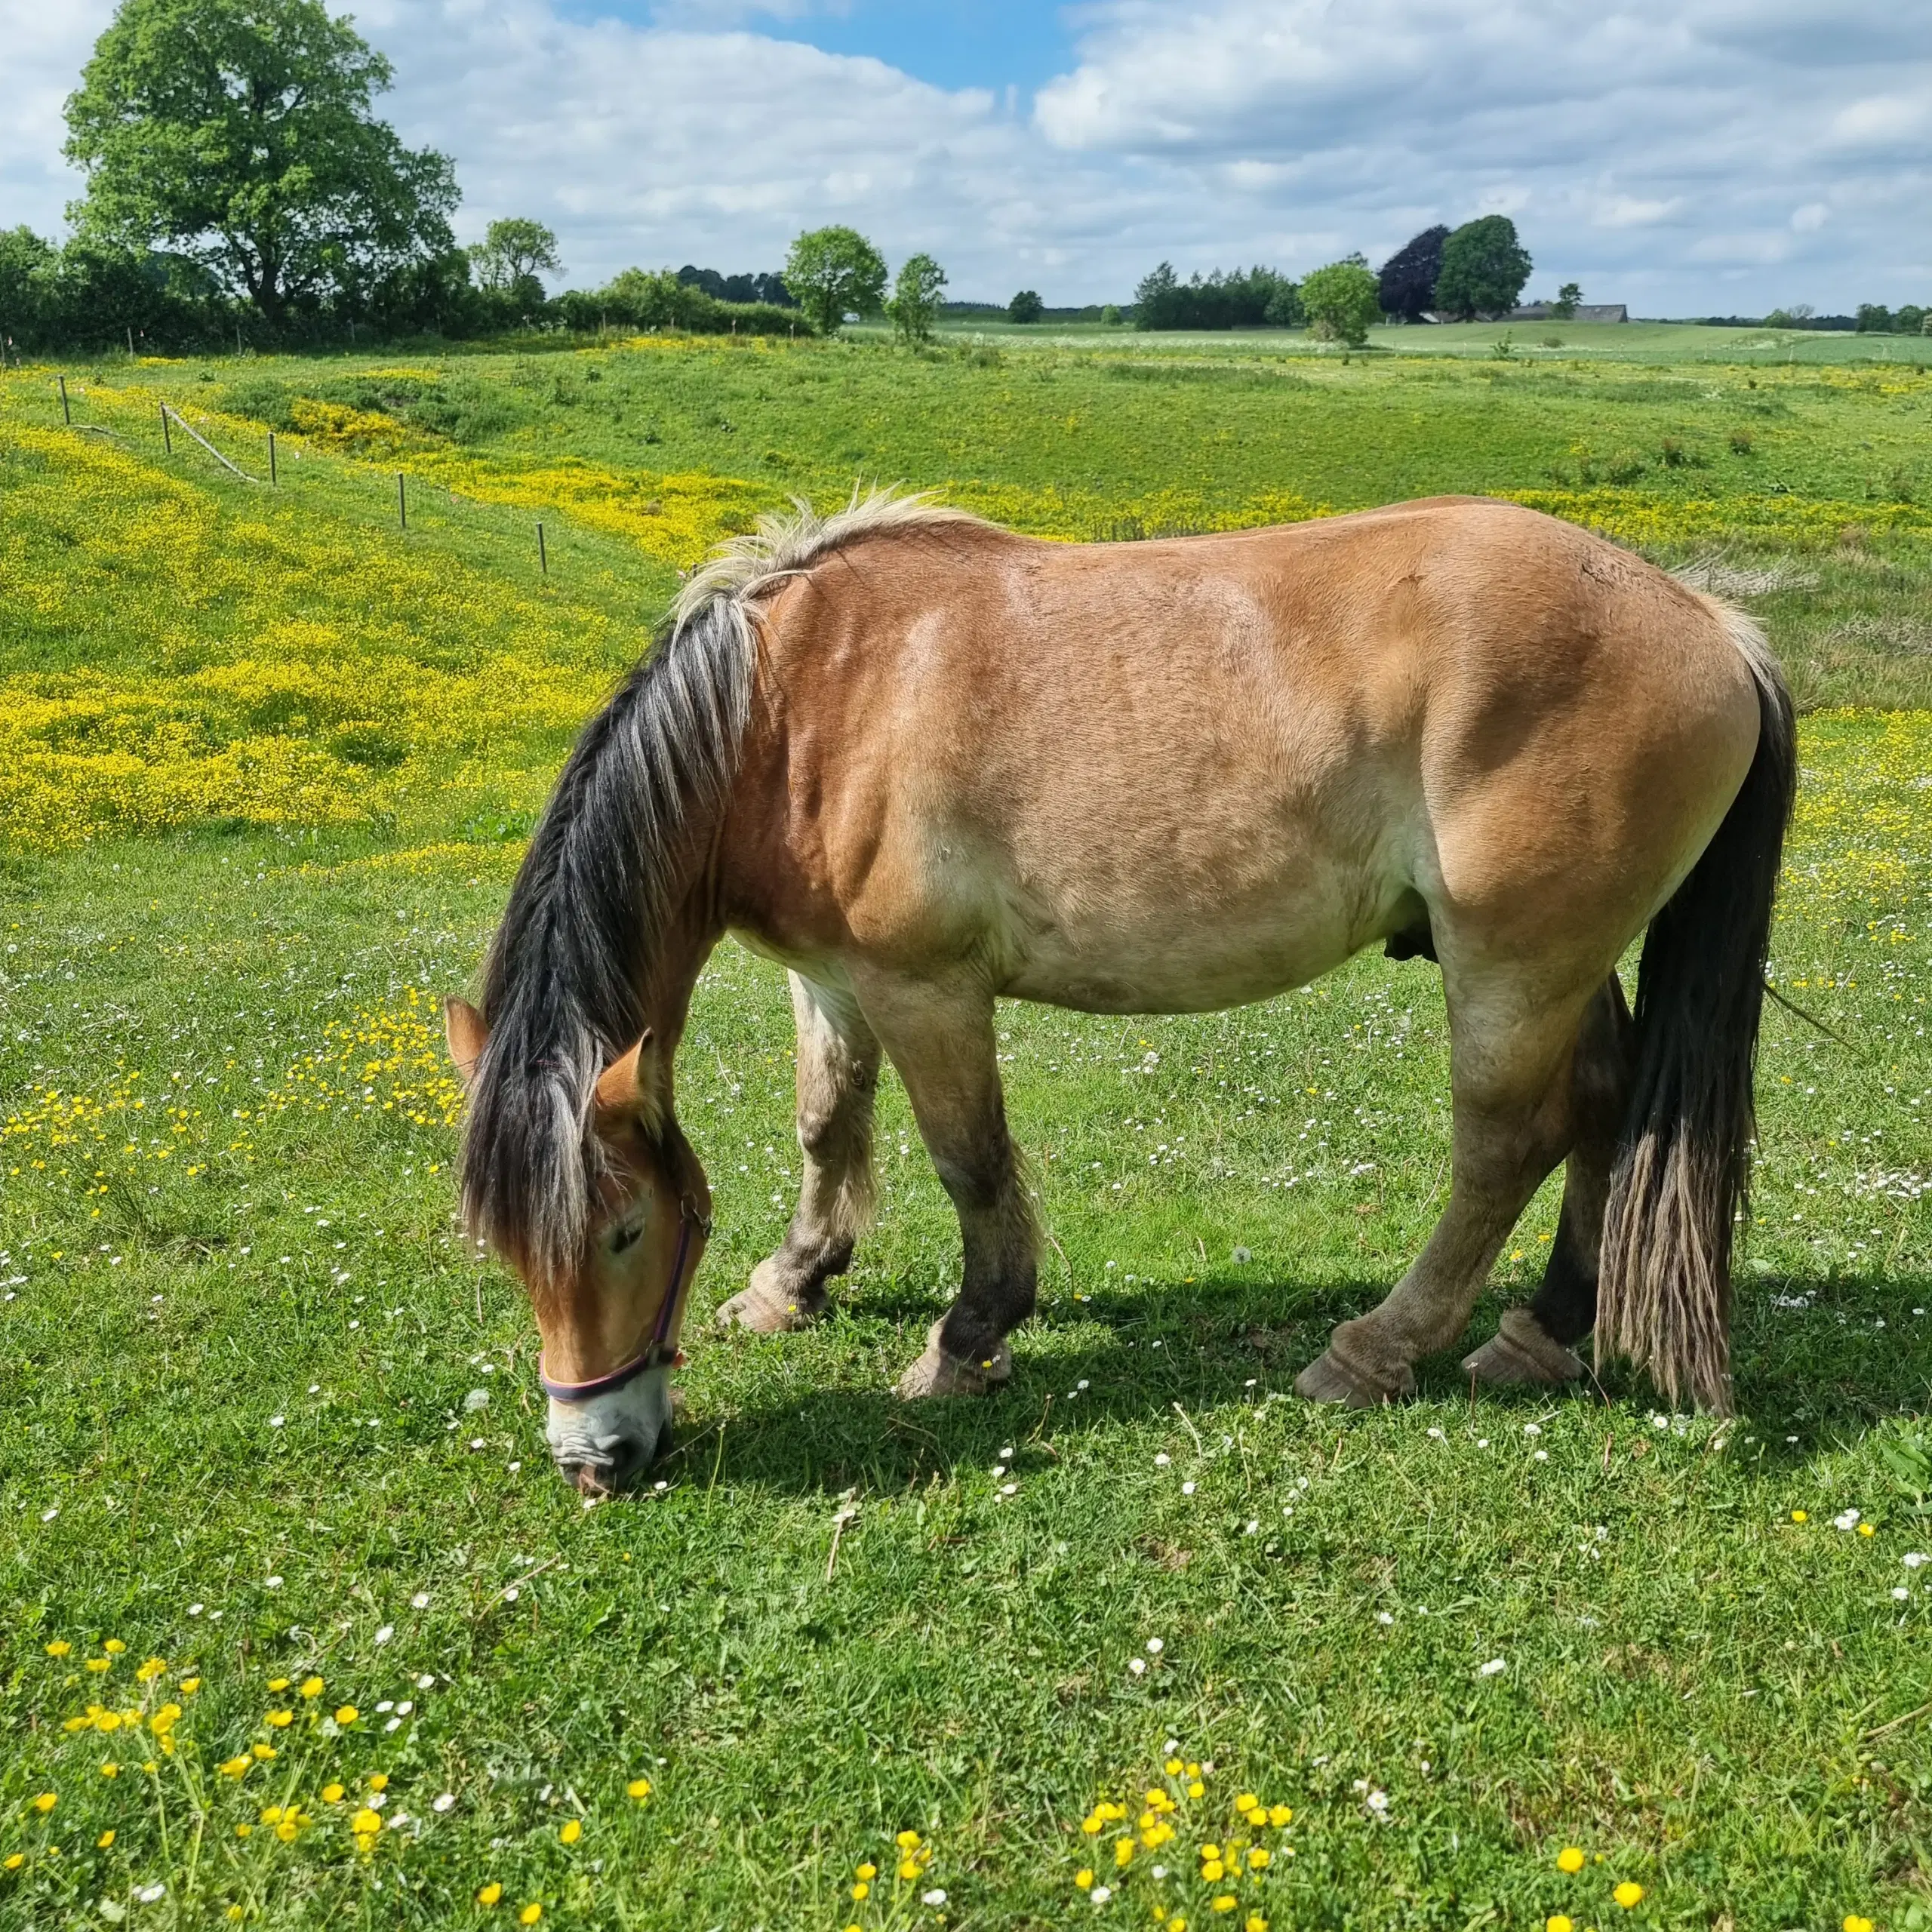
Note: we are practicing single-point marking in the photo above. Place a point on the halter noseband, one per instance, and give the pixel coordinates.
(658, 1352)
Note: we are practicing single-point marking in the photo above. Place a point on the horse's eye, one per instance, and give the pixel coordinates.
(624, 1238)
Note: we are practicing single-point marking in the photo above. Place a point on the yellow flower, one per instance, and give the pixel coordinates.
(348, 1713)
(242, 1831)
(150, 1670)
(1852, 1923)
(110, 1770)
(1084, 1878)
(331, 1794)
(909, 1867)
(379, 1780)
(59, 1647)
(278, 1684)
(100, 1663)
(14, 1860)
(868, 1870)
(1092, 1823)
(46, 1801)
(1224, 1901)
(862, 1889)
(286, 1830)
(1195, 1788)
(1255, 1923)
(1570, 1859)
(236, 1767)
(490, 1894)
(531, 1914)
(1867, 1529)
(164, 1720)
(280, 1719)
(573, 1830)
(1123, 1851)
(1258, 1857)
(1214, 1869)
(1279, 1815)
(1172, 1767)
(270, 1814)
(190, 1685)
(1247, 1801)
(264, 1752)
(906, 1840)
(1557, 1922)
(366, 1824)
(638, 1788)
(1801, 1516)
(114, 1647)
(106, 1839)
(311, 1687)
(1628, 1894)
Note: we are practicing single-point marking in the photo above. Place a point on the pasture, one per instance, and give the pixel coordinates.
(305, 1630)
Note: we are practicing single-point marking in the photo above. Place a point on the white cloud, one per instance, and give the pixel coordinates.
(1653, 150)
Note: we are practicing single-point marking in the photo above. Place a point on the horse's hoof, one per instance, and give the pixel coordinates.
(1520, 1353)
(767, 1307)
(936, 1373)
(1327, 1379)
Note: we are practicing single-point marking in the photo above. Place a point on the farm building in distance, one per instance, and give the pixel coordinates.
(1584, 311)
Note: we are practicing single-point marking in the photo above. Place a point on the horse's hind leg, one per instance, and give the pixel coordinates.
(837, 1076)
(940, 1038)
(1510, 1055)
(1532, 1344)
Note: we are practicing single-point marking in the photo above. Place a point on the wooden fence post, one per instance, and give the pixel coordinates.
(401, 502)
(66, 415)
(542, 555)
(272, 479)
(167, 441)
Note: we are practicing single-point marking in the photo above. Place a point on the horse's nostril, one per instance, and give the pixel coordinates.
(617, 1468)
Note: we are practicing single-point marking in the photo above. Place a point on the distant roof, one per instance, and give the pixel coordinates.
(1584, 311)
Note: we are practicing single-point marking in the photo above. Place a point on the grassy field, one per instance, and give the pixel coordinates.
(304, 1630)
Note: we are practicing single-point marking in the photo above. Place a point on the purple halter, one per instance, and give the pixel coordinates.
(655, 1353)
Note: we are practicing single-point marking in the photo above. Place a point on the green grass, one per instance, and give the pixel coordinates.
(227, 1412)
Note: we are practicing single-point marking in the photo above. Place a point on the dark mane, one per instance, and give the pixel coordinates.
(568, 972)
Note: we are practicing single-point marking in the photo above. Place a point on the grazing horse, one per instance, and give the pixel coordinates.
(928, 763)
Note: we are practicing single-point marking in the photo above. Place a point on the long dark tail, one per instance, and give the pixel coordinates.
(1683, 1178)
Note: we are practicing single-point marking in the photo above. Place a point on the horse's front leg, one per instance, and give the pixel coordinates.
(939, 1035)
(837, 1076)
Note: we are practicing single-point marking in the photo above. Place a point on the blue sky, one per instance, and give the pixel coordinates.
(1686, 157)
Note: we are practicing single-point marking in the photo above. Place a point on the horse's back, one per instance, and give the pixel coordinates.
(1186, 771)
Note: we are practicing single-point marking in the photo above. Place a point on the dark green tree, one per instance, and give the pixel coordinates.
(836, 272)
(1563, 309)
(1026, 306)
(27, 266)
(238, 134)
(1407, 283)
(1483, 268)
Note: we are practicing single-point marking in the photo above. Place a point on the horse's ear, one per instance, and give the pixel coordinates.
(629, 1084)
(467, 1036)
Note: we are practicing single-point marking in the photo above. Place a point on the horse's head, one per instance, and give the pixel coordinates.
(610, 1321)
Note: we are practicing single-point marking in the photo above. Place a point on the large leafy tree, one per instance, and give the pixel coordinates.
(238, 133)
(1342, 301)
(1408, 276)
(836, 272)
(1483, 268)
(514, 251)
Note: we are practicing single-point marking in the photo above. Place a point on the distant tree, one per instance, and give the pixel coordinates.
(915, 298)
(1110, 316)
(1239, 298)
(771, 288)
(513, 251)
(1874, 319)
(1563, 309)
(1909, 320)
(1026, 306)
(28, 267)
(1344, 301)
(1483, 268)
(239, 133)
(1407, 284)
(836, 272)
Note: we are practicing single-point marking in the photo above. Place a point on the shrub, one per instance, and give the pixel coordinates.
(1343, 302)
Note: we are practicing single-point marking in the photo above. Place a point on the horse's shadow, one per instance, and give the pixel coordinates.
(1817, 1361)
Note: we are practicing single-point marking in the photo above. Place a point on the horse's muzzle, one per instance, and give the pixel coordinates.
(607, 1444)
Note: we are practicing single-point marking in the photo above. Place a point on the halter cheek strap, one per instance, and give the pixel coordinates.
(655, 1353)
